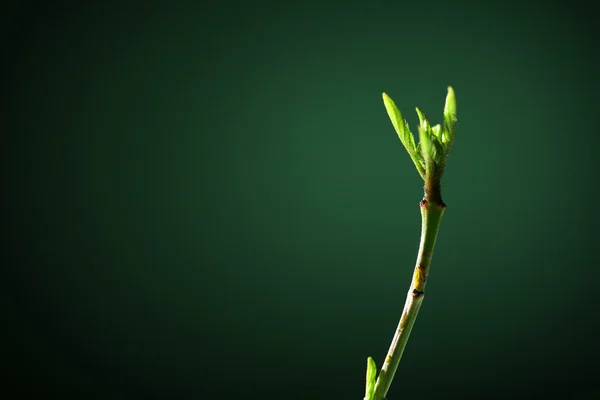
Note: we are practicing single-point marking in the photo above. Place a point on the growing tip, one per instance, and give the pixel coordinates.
(371, 375)
(450, 107)
(422, 117)
(387, 100)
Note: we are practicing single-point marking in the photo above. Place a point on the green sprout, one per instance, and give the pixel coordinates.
(429, 156)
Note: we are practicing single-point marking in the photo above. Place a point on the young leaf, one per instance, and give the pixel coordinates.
(371, 374)
(422, 118)
(404, 133)
(427, 148)
(437, 132)
(419, 157)
(399, 123)
(450, 116)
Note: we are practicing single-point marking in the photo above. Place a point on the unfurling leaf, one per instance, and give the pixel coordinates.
(450, 117)
(371, 375)
(435, 142)
(428, 149)
(404, 133)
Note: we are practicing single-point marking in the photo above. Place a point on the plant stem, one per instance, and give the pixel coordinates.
(432, 210)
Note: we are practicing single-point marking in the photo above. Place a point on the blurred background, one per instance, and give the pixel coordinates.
(209, 200)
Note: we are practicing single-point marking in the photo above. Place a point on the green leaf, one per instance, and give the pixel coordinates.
(419, 157)
(422, 118)
(437, 132)
(449, 118)
(400, 125)
(371, 375)
(404, 133)
(428, 149)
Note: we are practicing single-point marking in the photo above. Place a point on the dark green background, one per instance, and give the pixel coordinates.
(211, 199)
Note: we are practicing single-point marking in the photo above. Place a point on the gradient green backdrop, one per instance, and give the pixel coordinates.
(211, 199)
